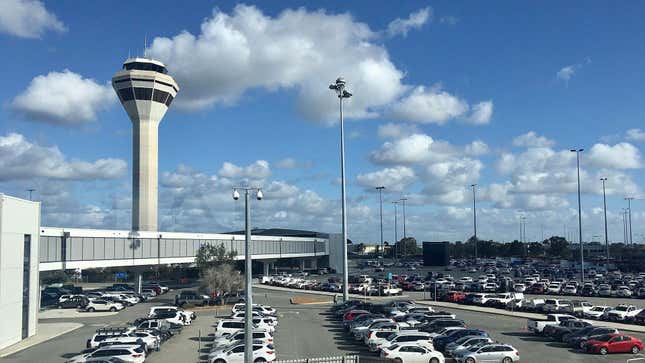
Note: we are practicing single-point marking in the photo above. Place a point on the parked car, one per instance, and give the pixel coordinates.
(537, 325)
(597, 312)
(103, 305)
(411, 353)
(77, 302)
(489, 353)
(614, 343)
(234, 354)
(622, 312)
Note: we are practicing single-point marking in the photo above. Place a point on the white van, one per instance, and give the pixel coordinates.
(228, 326)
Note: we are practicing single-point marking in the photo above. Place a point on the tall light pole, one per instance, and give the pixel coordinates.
(403, 203)
(629, 214)
(342, 93)
(380, 199)
(582, 253)
(604, 203)
(396, 231)
(474, 218)
(624, 211)
(248, 294)
(30, 191)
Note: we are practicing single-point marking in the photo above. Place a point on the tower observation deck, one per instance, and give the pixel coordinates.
(146, 91)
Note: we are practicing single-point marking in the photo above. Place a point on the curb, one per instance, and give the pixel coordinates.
(9, 351)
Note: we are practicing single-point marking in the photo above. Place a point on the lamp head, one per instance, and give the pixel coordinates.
(236, 194)
(260, 195)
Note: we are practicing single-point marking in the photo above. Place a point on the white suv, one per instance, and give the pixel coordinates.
(128, 353)
(421, 338)
(234, 354)
(227, 327)
(103, 305)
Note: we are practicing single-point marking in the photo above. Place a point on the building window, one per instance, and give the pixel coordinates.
(160, 96)
(126, 94)
(169, 100)
(144, 94)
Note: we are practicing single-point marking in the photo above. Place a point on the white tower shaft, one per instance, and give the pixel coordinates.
(145, 174)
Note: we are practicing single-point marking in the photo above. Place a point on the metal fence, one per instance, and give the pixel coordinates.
(339, 359)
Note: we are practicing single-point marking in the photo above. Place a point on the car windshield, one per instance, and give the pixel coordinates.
(598, 308)
(603, 338)
(621, 308)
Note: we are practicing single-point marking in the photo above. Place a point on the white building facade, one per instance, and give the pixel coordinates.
(19, 291)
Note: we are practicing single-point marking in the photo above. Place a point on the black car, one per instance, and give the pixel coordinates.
(76, 302)
(438, 325)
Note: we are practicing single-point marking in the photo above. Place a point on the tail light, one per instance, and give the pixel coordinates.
(370, 334)
(269, 352)
(385, 354)
(137, 355)
(517, 353)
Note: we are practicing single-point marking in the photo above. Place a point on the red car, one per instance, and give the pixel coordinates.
(350, 315)
(614, 343)
(454, 296)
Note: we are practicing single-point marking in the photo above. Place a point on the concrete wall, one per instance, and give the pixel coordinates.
(336, 251)
(18, 218)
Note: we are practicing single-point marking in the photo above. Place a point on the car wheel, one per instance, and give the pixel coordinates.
(398, 360)
(603, 351)
(434, 360)
(78, 306)
(60, 306)
(635, 350)
(220, 361)
(470, 360)
(91, 310)
(508, 360)
(260, 360)
(113, 309)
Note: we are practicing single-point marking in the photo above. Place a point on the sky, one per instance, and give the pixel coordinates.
(446, 94)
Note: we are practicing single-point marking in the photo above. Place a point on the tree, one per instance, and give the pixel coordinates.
(222, 279)
(407, 247)
(211, 256)
(558, 247)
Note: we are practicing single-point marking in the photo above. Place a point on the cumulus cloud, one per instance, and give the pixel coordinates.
(620, 156)
(396, 131)
(412, 149)
(635, 135)
(481, 113)
(567, 72)
(477, 148)
(27, 19)
(393, 179)
(416, 20)
(532, 139)
(21, 159)
(63, 98)
(292, 163)
(294, 49)
(256, 171)
(429, 106)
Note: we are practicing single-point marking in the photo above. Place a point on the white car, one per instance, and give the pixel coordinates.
(411, 353)
(569, 290)
(103, 305)
(128, 353)
(235, 354)
(261, 335)
(157, 309)
(553, 288)
(421, 338)
(622, 312)
(597, 312)
(623, 291)
(262, 309)
(519, 287)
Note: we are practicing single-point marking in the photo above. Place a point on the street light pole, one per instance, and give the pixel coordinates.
(403, 202)
(629, 214)
(475, 218)
(380, 199)
(396, 231)
(604, 203)
(624, 212)
(582, 253)
(248, 259)
(342, 93)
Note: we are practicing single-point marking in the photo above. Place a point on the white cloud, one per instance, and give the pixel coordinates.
(531, 139)
(565, 73)
(21, 159)
(476, 148)
(295, 49)
(481, 114)
(429, 106)
(412, 149)
(635, 135)
(258, 170)
(64, 98)
(393, 179)
(416, 20)
(27, 19)
(620, 156)
(287, 163)
(397, 131)
(450, 20)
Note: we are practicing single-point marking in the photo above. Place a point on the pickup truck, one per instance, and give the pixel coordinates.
(537, 325)
(622, 312)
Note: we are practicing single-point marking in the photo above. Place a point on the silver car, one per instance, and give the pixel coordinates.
(490, 353)
(466, 342)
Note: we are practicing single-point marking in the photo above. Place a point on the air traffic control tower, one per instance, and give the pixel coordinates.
(146, 91)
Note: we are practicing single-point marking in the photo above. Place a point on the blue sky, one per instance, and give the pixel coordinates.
(446, 94)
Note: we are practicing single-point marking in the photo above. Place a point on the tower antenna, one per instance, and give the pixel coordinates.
(145, 46)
